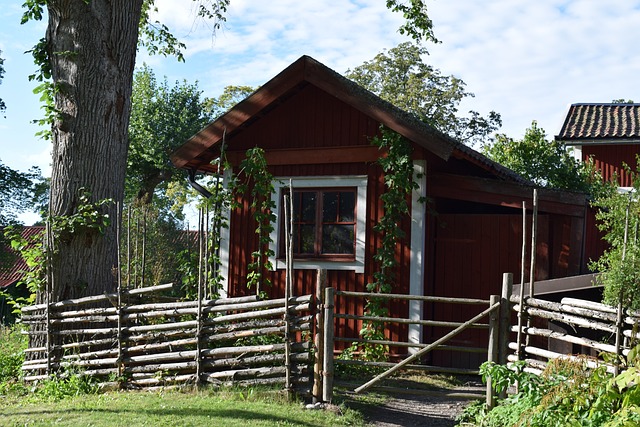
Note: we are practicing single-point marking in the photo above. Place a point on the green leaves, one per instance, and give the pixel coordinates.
(418, 25)
(162, 118)
(402, 77)
(547, 163)
(258, 183)
(618, 215)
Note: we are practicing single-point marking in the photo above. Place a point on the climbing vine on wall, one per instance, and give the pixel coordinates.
(398, 170)
(255, 171)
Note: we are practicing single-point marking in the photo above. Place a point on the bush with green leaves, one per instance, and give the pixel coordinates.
(566, 394)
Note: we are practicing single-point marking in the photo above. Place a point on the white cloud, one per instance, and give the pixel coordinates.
(524, 59)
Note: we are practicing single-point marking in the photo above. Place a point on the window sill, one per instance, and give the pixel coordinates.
(315, 264)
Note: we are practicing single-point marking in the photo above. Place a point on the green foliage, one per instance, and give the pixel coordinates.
(258, 184)
(12, 344)
(418, 25)
(158, 39)
(566, 394)
(162, 118)
(18, 192)
(619, 266)
(31, 250)
(89, 217)
(71, 384)
(230, 96)
(398, 170)
(548, 163)
(401, 77)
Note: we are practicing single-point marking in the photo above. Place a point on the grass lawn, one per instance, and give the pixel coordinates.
(132, 409)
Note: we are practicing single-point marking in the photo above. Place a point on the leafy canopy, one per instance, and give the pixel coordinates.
(401, 77)
(162, 118)
(547, 163)
(19, 191)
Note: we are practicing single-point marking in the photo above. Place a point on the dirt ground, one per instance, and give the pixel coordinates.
(414, 410)
(408, 409)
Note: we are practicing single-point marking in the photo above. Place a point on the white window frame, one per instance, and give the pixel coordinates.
(358, 181)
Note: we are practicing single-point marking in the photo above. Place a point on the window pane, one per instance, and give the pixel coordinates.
(347, 206)
(308, 206)
(306, 239)
(338, 239)
(330, 206)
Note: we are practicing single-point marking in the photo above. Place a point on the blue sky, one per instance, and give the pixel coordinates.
(527, 60)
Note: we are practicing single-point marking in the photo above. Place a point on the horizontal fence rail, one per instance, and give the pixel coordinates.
(415, 346)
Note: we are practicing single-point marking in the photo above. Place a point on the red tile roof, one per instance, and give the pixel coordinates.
(601, 123)
(12, 273)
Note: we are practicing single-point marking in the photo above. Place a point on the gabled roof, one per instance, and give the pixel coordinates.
(13, 272)
(601, 124)
(197, 153)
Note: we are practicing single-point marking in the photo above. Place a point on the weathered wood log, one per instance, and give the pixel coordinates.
(188, 304)
(256, 314)
(89, 343)
(550, 355)
(90, 362)
(570, 319)
(571, 309)
(424, 368)
(171, 379)
(416, 345)
(161, 336)
(91, 355)
(408, 321)
(97, 298)
(414, 297)
(562, 336)
(604, 308)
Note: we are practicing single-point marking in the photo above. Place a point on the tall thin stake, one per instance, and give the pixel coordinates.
(119, 307)
(144, 246)
(534, 243)
(522, 275)
(287, 295)
(200, 288)
(129, 246)
(619, 323)
(48, 291)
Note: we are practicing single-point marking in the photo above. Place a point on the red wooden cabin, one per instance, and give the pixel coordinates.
(608, 133)
(316, 128)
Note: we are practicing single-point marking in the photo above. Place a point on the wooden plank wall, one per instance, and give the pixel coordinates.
(242, 232)
(609, 159)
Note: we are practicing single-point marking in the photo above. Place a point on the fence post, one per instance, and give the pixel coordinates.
(321, 284)
(492, 352)
(505, 317)
(505, 321)
(327, 371)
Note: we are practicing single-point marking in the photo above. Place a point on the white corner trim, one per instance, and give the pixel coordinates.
(418, 247)
(225, 238)
(358, 181)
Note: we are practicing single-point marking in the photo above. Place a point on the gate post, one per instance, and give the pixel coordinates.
(327, 371)
(492, 353)
(505, 317)
(321, 284)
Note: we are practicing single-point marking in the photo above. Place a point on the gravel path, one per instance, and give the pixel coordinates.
(416, 411)
(420, 410)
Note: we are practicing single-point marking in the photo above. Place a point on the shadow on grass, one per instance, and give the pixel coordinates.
(194, 413)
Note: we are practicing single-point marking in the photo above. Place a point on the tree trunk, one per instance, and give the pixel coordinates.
(92, 48)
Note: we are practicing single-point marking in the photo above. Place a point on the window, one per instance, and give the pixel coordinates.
(329, 222)
(324, 223)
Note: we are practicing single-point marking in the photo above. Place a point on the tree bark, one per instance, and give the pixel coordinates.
(92, 50)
